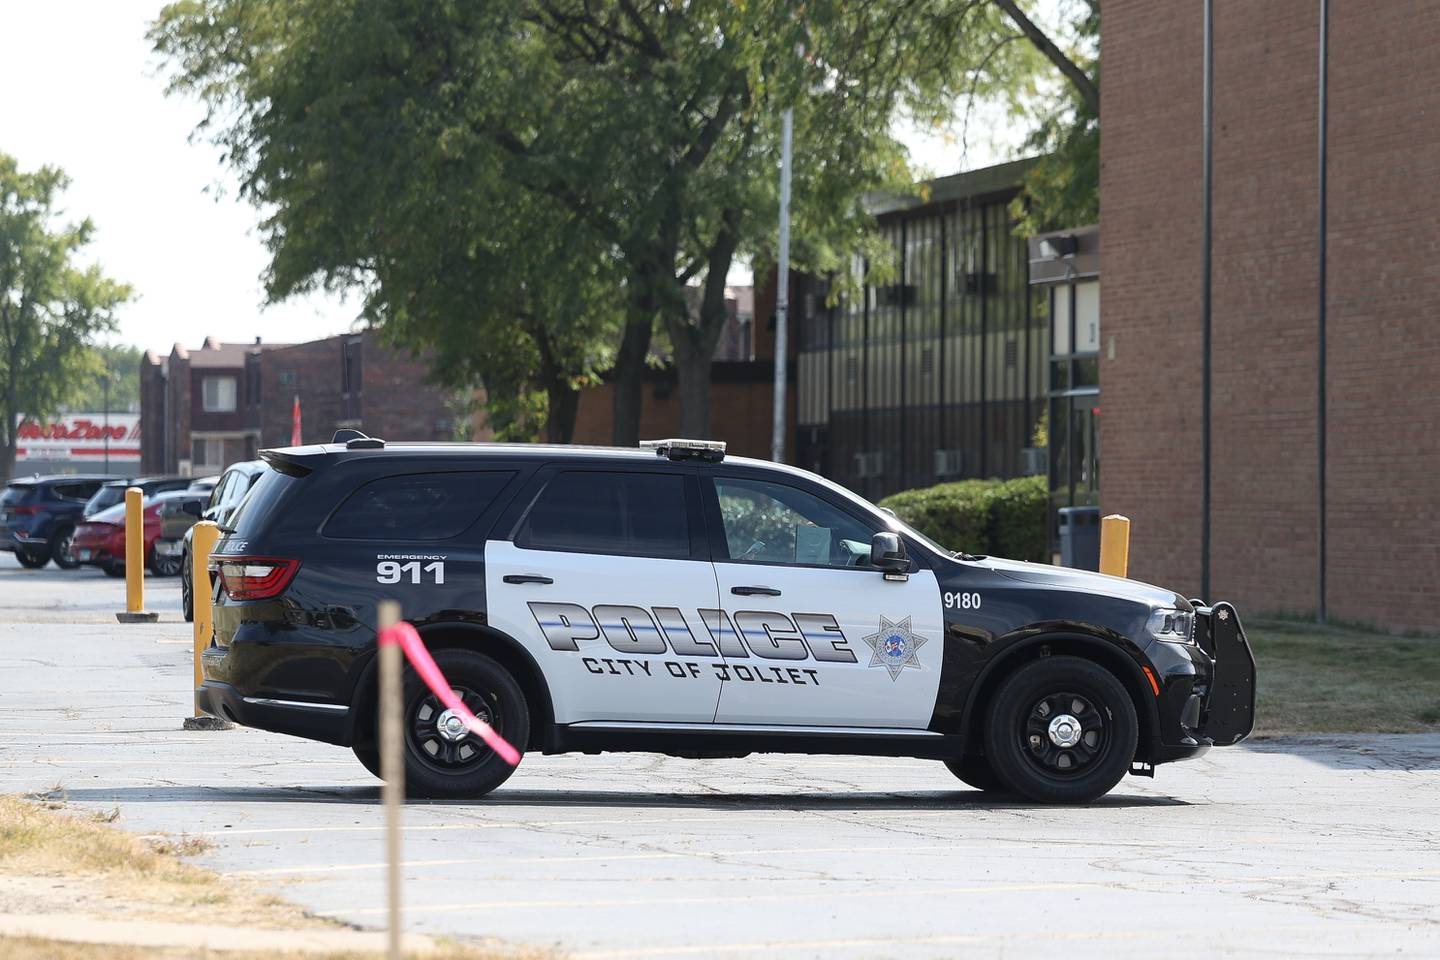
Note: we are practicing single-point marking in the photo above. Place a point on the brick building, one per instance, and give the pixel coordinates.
(201, 410)
(1383, 346)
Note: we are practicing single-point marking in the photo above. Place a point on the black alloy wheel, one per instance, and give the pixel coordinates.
(1061, 730)
(163, 566)
(62, 548)
(442, 757)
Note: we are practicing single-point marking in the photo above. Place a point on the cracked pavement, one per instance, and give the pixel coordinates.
(1322, 846)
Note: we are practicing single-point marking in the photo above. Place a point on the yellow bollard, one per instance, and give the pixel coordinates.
(1115, 545)
(202, 544)
(135, 560)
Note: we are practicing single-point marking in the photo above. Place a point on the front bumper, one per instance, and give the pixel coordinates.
(1226, 714)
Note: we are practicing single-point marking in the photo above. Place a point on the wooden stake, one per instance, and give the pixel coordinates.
(392, 767)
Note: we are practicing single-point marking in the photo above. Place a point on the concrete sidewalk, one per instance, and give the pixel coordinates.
(1321, 846)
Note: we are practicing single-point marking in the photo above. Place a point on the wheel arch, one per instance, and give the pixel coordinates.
(1103, 652)
(501, 647)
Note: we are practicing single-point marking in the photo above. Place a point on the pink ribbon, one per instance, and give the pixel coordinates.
(408, 639)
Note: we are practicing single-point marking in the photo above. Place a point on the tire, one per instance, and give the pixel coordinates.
(187, 601)
(113, 569)
(61, 548)
(164, 566)
(1022, 746)
(31, 560)
(974, 771)
(438, 767)
(369, 756)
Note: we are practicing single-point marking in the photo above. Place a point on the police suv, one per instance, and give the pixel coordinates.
(672, 599)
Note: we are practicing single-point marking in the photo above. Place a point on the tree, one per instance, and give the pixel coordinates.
(589, 154)
(111, 373)
(50, 308)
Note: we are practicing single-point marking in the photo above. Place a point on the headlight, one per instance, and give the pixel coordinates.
(1168, 623)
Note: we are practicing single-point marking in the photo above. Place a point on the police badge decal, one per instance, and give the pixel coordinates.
(895, 646)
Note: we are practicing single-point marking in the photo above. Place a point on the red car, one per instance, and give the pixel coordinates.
(100, 540)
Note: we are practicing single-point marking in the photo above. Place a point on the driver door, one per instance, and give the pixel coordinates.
(822, 637)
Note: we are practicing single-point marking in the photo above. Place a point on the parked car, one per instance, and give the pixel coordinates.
(234, 483)
(114, 491)
(177, 516)
(38, 516)
(204, 484)
(100, 540)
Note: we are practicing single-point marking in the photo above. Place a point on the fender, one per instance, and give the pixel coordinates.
(1110, 650)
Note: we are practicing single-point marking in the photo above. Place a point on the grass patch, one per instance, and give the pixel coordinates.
(1342, 679)
(53, 862)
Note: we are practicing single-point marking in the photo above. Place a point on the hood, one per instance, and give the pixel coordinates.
(1086, 581)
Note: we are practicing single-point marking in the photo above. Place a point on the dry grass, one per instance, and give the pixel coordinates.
(78, 865)
(1338, 679)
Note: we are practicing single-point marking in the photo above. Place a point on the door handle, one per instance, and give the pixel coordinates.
(755, 591)
(526, 578)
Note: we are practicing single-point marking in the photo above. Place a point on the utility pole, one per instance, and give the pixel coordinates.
(105, 386)
(782, 290)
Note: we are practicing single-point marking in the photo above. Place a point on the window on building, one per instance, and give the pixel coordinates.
(421, 506)
(633, 514)
(218, 394)
(207, 451)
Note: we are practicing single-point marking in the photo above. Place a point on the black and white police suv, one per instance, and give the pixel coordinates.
(672, 599)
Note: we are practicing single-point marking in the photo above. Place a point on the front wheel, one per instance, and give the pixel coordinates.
(1061, 730)
(187, 600)
(976, 772)
(442, 758)
(31, 560)
(164, 566)
(62, 548)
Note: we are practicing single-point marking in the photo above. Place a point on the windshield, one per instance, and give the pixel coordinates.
(104, 497)
(15, 493)
(890, 520)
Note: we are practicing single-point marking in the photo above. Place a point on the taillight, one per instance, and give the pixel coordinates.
(255, 578)
(25, 511)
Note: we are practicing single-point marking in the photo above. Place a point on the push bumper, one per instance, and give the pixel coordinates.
(1225, 714)
(326, 722)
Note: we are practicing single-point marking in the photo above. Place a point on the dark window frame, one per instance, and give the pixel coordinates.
(694, 516)
(488, 509)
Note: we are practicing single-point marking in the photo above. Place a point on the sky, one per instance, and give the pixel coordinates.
(82, 91)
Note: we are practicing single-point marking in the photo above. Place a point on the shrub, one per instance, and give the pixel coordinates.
(1000, 517)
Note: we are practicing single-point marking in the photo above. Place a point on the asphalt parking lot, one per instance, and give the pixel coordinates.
(1318, 846)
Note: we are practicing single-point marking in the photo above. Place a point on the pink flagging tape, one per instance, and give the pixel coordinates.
(408, 639)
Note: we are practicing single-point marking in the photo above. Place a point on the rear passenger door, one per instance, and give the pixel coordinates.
(605, 581)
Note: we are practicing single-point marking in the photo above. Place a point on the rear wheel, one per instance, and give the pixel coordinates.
(113, 569)
(187, 601)
(1061, 730)
(62, 548)
(975, 771)
(442, 758)
(30, 559)
(164, 566)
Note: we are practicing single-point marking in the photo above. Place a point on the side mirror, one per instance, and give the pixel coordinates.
(887, 553)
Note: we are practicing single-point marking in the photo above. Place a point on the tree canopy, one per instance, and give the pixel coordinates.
(528, 186)
(51, 307)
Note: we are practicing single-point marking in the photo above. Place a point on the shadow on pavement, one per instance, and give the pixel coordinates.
(1359, 751)
(837, 801)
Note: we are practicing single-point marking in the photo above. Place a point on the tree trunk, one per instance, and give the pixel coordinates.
(694, 343)
(7, 460)
(692, 367)
(564, 405)
(628, 377)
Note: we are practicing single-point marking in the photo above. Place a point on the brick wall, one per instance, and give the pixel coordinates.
(1384, 350)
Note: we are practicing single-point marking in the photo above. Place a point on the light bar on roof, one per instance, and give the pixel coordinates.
(677, 448)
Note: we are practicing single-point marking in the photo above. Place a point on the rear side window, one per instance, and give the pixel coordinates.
(417, 506)
(15, 494)
(75, 491)
(635, 514)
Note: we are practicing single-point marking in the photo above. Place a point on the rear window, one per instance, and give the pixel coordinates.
(247, 517)
(80, 491)
(417, 506)
(16, 493)
(636, 514)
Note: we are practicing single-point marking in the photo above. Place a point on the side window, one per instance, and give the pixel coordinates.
(74, 491)
(218, 493)
(419, 506)
(633, 514)
(768, 522)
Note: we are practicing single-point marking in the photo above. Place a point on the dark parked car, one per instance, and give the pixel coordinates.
(178, 513)
(38, 516)
(234, 483)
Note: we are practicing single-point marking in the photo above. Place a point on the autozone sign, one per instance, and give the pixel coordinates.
(79, 436)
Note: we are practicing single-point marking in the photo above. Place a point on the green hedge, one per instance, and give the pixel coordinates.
(1003, 518)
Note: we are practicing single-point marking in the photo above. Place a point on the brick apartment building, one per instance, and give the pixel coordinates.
(201, 410)
(1382, 281)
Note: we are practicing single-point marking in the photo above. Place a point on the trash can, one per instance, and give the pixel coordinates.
(1080, 537)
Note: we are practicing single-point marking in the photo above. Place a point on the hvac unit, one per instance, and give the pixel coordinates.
(869, 464)
(949, 463)
(1034, 461)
